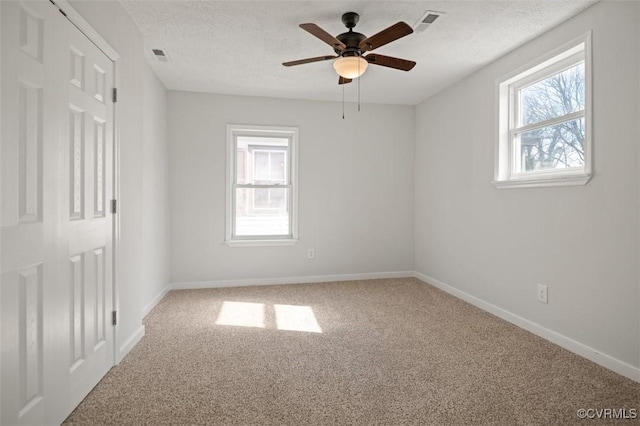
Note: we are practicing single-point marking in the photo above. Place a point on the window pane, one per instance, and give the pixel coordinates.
(269, 198)
(555, 96)
(261, 165)
(269, 166)
(554, 147)
(255, 162)
(262, 211)
(277, 165)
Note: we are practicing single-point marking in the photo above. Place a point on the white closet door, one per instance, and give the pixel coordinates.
(55, 251)
(88, 224)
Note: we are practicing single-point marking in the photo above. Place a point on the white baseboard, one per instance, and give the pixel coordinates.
(156, 299)
(130, 343)
(569, 344)
(289, 280)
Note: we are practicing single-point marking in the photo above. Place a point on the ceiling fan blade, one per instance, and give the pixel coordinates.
(308, 60)
(342, 80)
(385, 36)
(315, 30)
(389, 61)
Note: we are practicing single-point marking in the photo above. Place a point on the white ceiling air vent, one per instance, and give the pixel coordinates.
(426, 19)
(160, 55)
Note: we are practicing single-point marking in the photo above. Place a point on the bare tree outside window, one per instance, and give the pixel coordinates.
(557, 143)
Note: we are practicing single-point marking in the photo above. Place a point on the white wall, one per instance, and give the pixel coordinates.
(139, 107)
(155, 192)
(581, 241)
(355, 193)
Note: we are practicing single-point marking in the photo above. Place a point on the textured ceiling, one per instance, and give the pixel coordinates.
(237, 47)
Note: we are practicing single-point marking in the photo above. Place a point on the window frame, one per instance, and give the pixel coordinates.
(506, 174)
(291, 170)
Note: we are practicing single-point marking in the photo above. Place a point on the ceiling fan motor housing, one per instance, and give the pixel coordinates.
(351, 39)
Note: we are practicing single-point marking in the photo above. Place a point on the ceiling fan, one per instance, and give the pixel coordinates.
(350, 46)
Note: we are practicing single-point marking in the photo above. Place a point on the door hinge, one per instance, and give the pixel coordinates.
(114, 206)
(114, 317)
(115, 95)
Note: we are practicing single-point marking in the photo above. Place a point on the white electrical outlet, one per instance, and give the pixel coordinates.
(542, 293)
(311, 253)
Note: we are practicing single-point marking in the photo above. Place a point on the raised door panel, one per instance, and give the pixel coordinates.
(99, 299)
(29, 152)
(77, 162)
(23, 369)
(99, 167)
(76, 312)
(30, 338)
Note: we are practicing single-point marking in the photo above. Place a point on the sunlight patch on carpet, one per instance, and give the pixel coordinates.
(296, 318)
(259, 315)
(242, 314)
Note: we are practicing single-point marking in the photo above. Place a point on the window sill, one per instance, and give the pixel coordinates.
(543, 181)
(261, 243)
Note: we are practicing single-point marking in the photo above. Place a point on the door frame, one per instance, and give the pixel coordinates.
(85, 28)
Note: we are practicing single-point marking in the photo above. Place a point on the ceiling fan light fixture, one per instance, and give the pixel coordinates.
(350, 66)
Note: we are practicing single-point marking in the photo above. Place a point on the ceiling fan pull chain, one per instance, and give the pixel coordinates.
(343, 101)
(359, 88)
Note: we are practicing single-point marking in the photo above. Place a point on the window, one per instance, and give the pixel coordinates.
(261, 188)
(544, 121)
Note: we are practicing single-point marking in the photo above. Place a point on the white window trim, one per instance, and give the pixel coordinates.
(504, 177)
(234, 130)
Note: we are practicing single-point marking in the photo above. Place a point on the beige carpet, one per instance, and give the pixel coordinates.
(391, 352)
